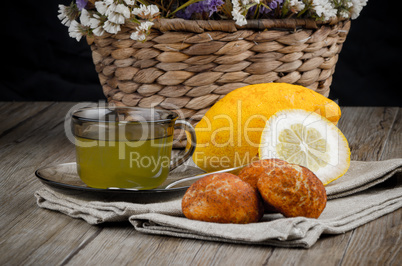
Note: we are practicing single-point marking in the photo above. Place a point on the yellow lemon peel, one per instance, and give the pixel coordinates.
(229, 133)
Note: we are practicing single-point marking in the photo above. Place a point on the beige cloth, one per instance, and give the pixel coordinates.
(353, 202)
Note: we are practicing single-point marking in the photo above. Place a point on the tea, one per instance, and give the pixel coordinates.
(127, 147)
(140, 164)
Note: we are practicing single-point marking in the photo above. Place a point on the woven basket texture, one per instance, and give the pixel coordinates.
(189, 65)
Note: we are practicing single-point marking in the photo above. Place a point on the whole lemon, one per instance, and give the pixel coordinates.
(229, 133)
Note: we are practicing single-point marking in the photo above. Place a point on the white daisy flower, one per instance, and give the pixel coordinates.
(96, 25)
(138, 36)
(116, 18)
(75, 30)
(118, 13)
(146, 26)
(101, 7)
(142, 31)
(85, 17)
(67, 14)
(357, 6)
(109, 2)
(344, 14)
(324, 9)
(63, 15)
(296, 6)
(111, 27)
(238, 10)
(146, 12)
(95, 21)
(129, 2)
(240, 19)
(99, 31)
(236, 4)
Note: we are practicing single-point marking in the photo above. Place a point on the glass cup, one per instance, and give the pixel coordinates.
(127, 147)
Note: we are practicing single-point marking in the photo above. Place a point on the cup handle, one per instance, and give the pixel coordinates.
(184, 155)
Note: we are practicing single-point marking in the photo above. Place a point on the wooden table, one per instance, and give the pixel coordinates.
(32, 135)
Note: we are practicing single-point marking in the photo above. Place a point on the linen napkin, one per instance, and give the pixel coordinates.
(354, 200)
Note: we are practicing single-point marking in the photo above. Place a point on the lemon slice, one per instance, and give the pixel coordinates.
(307, 139)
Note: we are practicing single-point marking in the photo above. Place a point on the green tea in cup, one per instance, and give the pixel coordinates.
(126, 147)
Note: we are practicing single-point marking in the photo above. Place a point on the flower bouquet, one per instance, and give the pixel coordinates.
(187, 54)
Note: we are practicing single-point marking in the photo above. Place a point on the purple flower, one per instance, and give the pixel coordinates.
(81, 4)
(263, 10)
(213, 5)
(207, 6)
(275, 3)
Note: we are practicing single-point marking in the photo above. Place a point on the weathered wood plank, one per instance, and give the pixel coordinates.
(14, 113)
(30, 234)
(376, 243)
(161, 250)
(367, 130)
(36, 236)
(329, 250)
(393, 147)
(43, 236)
(121, 245)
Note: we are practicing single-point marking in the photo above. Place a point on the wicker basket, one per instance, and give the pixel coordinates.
(188, 65)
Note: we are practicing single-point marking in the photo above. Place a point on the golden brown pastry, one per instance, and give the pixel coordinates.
(222, 198)
(293, 190)
(251, 173)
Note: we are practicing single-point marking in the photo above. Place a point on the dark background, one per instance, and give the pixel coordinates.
(42, 63)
